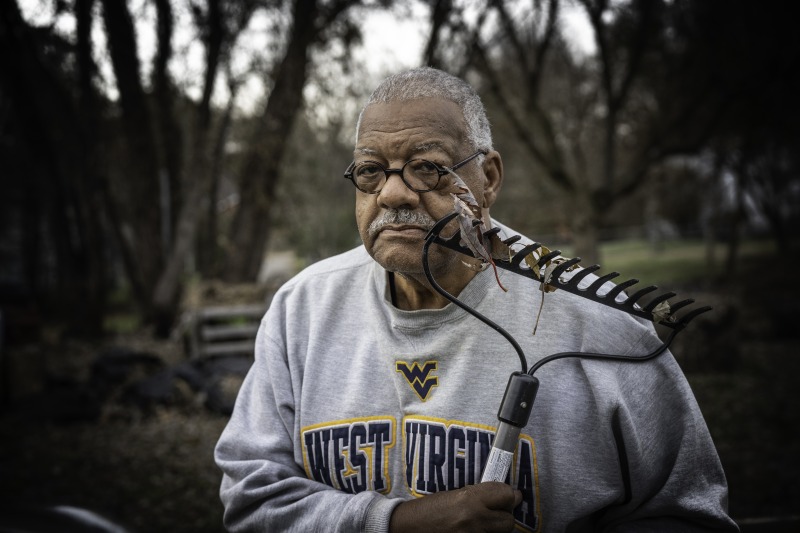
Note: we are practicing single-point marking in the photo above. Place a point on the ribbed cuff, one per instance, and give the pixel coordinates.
(379, 513)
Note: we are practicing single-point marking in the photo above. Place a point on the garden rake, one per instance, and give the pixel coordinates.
(549, 269)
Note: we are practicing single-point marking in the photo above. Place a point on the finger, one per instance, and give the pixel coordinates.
(517, 498)
(498, 522)
(496, 495)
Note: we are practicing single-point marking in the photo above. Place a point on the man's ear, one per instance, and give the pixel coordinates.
(493, 170)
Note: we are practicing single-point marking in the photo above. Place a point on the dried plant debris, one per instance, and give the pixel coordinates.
(662, 312)
(470, 222)
(489, 247)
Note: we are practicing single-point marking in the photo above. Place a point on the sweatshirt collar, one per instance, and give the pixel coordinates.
(471, 295)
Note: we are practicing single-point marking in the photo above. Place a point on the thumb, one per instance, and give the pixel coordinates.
(517, 498)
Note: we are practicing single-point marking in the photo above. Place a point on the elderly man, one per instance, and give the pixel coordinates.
(371, 405)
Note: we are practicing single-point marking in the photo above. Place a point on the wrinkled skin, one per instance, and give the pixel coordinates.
(483, 508)
(391, 134)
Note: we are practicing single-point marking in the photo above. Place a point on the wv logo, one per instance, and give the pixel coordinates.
(419, 378)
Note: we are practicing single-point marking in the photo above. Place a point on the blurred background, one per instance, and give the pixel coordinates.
(166, 164)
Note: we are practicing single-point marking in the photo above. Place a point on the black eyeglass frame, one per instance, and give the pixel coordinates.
(441, 170)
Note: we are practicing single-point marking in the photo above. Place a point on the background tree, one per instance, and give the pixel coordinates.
(116, 161)
(51, 181)
(597, 126)
(138, 175)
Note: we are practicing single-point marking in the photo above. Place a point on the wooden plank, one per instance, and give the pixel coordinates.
(233, 311)
(228, 348)
(226, 331)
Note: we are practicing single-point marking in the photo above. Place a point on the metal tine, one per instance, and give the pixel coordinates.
(638, 294)
(571, 285)
(560, 269)
(619, 287)
(477, 222)
(688, 317)
(519, 256)
(679, 305)
(454, 238)
(547, 257)
(657, 300)
(577, 278)
(437, 228)
(599, 282)
(490, 232)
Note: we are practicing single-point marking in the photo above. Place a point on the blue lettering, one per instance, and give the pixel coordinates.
(423, 445)
(456, 439)
(358, 437)
(437, 455)
(525, 513)
(341, 439)
(317, 451)
(412, 430)
(379, 433)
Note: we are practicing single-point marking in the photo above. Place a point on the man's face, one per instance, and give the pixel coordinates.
(391, 134)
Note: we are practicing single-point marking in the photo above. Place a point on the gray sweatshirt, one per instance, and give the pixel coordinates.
(353, 406)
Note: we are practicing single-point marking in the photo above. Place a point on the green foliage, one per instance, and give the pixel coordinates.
(118, 323)
(678, 262)
(314, 211)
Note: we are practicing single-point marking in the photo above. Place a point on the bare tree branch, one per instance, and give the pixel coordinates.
(510, 32)
(440, 11)
(644, 30)
(534, 79)
(552, 164)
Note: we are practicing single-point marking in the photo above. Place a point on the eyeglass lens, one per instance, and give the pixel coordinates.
(420, 175)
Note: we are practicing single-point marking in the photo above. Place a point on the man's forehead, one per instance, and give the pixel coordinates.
(404, 128)
(415, 148)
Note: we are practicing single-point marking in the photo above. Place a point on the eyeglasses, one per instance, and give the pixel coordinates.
(419, 175)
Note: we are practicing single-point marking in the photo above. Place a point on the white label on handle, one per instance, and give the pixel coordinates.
(497, 465)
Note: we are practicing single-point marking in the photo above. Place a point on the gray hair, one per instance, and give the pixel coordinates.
(427, 82)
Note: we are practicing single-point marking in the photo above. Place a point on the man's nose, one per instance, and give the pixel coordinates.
(395, 194)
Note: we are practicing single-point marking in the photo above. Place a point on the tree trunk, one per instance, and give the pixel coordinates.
(585, 231)
(440, 11)
(250, 229)
(48, 118)
(139, 210)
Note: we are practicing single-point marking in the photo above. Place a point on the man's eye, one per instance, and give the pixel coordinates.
(368, 170)
(423, 167)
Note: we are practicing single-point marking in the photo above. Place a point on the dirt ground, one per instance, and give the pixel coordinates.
(152, 469)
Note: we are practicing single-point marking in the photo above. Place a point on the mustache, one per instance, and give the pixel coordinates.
(400, 217)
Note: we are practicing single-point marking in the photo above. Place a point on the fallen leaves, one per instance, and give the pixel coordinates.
(470, 222)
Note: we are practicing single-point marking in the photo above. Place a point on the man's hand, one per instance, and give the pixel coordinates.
(483, 508)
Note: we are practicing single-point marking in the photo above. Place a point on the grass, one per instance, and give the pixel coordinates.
(676, 263)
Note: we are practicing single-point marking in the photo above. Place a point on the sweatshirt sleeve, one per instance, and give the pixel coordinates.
(263, 487)
(672, 475)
